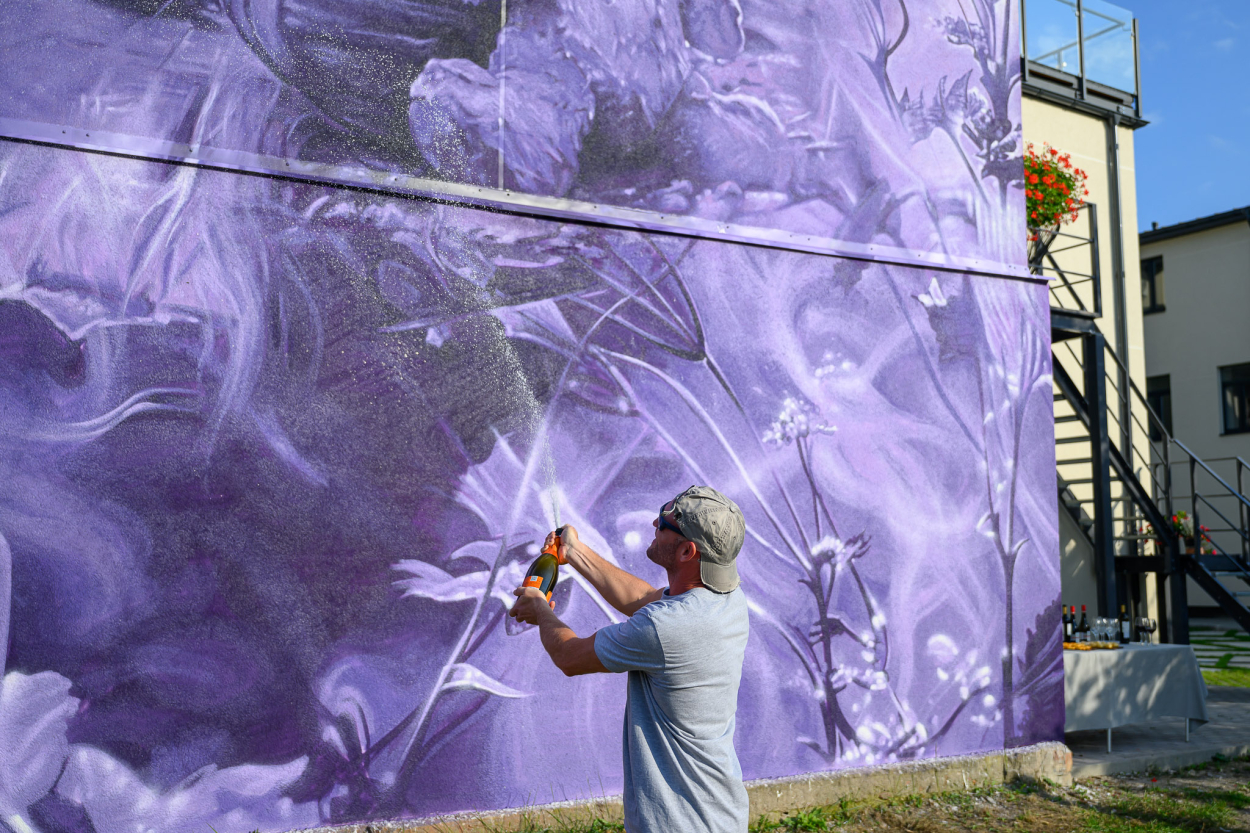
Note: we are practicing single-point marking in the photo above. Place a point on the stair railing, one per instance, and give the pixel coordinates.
(1241, 527)
(1136, 495)
(1161, 476)
(1054, 254)
(1243, 504)
(1049, 246)
(1236, 565)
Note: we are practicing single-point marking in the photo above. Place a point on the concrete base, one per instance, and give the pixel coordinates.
(772, 797)
(1161, 744)
(1159, 761)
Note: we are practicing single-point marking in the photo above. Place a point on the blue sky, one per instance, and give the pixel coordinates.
(1193, 159)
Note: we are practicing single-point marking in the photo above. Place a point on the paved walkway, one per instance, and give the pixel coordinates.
(1219, 643)
(1161, 744)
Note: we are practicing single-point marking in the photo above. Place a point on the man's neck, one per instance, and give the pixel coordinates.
(679, 583)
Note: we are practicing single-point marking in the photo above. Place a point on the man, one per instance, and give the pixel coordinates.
(683, 648)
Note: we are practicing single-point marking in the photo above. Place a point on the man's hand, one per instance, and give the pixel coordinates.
(570, 654)
(625, 592)
(568, 541)
(529, 605)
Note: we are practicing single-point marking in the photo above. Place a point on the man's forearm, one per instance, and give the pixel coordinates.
(571, 654)
(624, 591)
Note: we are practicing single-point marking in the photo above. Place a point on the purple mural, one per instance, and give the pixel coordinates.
(887, 122)
(274, 453)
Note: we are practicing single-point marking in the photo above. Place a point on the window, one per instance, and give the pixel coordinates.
(1152, 284)
(1159, 397)
(1235, 385)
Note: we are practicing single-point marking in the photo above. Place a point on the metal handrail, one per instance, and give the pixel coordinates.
(1194, 458)
(1152, 417)
(1215, 509)
(1162, 486)
(1156, 505)
(1042, 262)
(1117, 24)
(1080, 76)
(1229, 490)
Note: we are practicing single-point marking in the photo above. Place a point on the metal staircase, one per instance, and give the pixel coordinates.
(1122, 476)
(1221, 564)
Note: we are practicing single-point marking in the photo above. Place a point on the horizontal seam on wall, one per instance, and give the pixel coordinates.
(491, 199)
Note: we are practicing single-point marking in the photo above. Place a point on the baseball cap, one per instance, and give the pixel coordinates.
(715, 524)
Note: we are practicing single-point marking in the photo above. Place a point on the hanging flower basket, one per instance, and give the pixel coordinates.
(1054, 191)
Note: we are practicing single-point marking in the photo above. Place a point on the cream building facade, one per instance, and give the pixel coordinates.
(1157, 321)
(1081, 97)
(1196, 304)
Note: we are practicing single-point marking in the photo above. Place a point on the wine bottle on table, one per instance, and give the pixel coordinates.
(1126, 627)
(1069, 622)
(1083, 628)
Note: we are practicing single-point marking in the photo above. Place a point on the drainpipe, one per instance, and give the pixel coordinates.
(1118, 279)
(1120, 300)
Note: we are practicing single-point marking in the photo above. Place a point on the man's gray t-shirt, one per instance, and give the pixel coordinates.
(684, 658)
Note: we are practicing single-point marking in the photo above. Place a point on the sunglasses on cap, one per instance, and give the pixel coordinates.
(665, 523)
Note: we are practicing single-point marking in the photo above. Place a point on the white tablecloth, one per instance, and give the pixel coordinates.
(1105, 689)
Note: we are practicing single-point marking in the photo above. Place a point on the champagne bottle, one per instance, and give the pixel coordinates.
(545, 571)
(543, 574)
(1083, 628)
(1126, 627)
(1069, 622)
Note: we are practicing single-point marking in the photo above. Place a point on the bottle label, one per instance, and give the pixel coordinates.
(533, 581)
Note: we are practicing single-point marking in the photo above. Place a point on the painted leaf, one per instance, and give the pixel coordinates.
(246, 797)
(465, 676)
(431, 582)
(34, 711)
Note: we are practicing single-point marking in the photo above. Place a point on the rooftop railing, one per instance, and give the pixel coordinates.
(1087, 49)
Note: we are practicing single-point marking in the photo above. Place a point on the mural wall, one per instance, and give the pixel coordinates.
(886, 122)
(273, 454)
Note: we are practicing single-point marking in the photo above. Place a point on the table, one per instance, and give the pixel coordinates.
(1103, 689)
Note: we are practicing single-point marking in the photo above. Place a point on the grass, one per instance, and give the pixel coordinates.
(1162, 811)
(1239, 677)
(1206, 798)
(1033, 809)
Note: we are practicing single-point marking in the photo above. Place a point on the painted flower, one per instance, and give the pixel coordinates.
(794, 423)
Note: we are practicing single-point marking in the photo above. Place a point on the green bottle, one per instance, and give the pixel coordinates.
(545, 571)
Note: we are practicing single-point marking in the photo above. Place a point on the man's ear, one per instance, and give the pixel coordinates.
(687, 550)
